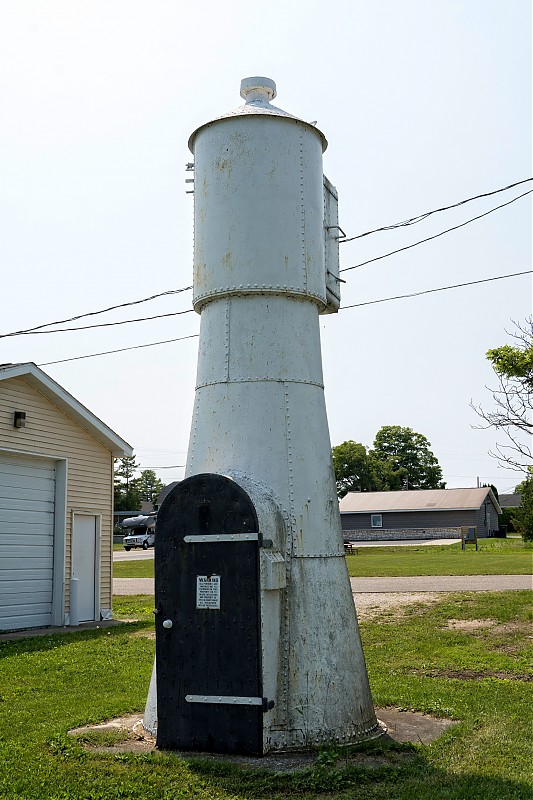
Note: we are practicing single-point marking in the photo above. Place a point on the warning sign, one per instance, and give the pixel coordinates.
(208, 591)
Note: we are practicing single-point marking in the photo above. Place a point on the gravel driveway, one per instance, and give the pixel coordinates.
(424, 583)
(376, 594)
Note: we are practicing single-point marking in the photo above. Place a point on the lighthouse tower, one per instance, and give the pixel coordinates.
(257, 643)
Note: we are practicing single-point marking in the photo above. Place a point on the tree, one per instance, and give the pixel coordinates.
(404, 461)
(149, 485)
(125, 470)
(354, 470)
(494, 490)
(401, 459)
(513, 366)
(521, 487)
(127, 493)
(523, 516)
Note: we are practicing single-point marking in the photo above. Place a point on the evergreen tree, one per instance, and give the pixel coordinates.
(127, 496)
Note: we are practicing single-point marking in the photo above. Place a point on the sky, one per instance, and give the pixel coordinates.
(424, 104)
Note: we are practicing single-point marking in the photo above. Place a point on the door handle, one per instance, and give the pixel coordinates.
(167, 623)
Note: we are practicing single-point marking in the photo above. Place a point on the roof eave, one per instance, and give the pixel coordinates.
(70, 406)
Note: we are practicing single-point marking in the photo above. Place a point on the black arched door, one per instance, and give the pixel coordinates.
(209, 693)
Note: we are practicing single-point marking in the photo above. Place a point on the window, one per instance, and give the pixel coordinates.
(376, 520)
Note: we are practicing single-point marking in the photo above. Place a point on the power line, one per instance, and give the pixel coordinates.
(120, 350)
(440, 289)
(34, 331)
(171, 466)
(104, 324)
(187, 288)
(421, 217)
(94, 313)
(356, 305)
(436, 236)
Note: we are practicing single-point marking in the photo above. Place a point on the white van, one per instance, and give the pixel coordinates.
(142, 532)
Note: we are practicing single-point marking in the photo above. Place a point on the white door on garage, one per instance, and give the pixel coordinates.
(84, 563)
(27, 494)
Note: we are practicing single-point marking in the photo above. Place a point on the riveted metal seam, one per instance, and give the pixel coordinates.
(291, 527)
(226, 338)
(259, 380)
(302, 207)
(201, 300)
(192, 442)
(329, 554)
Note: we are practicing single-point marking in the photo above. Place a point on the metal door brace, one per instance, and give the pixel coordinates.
(222, 537)
(265, 704)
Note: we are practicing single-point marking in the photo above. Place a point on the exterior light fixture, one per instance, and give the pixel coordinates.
(19, 419)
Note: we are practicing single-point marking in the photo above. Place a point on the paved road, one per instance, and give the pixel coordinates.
(133, 555)
(144, 555)
(441, 583)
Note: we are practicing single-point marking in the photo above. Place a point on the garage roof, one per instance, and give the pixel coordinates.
(67, 403)
(417, 500)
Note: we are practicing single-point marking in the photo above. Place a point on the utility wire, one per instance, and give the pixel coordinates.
(186, 288)
(356, 305)
(440, 289)
(94, 313)
(170, 466)
(105, 324)
(421, 217)
(436, 236)
(120, 350)
(346, 269)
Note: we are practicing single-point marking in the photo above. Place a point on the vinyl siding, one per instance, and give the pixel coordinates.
(423, 519)
(49, 431)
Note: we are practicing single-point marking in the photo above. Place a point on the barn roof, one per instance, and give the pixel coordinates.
(417, 500)
(68, 404)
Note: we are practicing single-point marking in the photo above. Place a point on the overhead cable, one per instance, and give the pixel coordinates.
(440, 289)
(94, 313)
(436, 236)
(105, 324)
(356, 305)
(187, 288)
(421, 217)
(346, 269)
(120, 350)
(169, 466)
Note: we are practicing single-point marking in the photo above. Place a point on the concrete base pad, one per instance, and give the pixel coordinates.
(402, 726)
(409, 726)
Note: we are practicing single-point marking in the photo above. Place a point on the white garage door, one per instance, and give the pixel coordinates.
(27, 491)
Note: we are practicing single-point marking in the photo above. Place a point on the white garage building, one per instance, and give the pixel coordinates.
(56, 503)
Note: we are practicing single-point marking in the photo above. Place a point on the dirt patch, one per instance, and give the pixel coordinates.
(372, 604)
(470, 624)
(144, 634)
(513, 627)
(472, 675)
(131, 736)
(509, 637)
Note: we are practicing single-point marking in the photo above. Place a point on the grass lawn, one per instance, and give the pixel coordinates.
(465, 657)
(494, 557)
(134, 569)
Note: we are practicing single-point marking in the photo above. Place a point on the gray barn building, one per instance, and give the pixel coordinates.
(420, 514)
